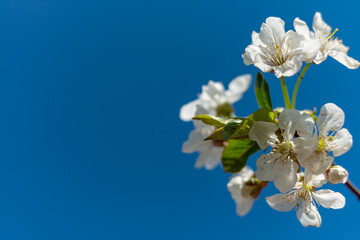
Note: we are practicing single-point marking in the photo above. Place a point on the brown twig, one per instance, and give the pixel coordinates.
(353, 188)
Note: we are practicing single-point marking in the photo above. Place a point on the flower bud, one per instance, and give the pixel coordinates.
(252, 188)
(337, 174)
(250, 191)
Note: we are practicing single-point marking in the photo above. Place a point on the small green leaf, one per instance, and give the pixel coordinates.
(231, 127)
(262, 92)
(216, 135)
(236, 154)
(211, 120)
(263, 114)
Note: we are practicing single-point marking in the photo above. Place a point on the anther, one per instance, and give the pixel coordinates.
(333, 33)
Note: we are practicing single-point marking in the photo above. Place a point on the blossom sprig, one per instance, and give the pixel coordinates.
(213, 100)
(298, 147)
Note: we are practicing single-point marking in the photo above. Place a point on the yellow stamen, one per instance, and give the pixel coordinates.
(333, 33)
(278, 53)
(298, 203)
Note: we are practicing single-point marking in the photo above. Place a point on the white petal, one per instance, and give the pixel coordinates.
(254, 55)
(339, 53)
(244, 206)
(285, 175)
(319, 25)
(305, 125)
(212, 92)
(237, 87)
(310, 49)
(209, 155)
(281, 202)
(187, 112)
(316, 180)
(349, 62)
(256, 39)
(320, 57)
(204, 154)
(205, 129)
(195, 142)
(291, 67)
(318, 162)
(308, 214)
(304, 147)
(265, 166)
(293, 40)
(302, 28)
(330, 199)
(235, 186)
(287, 120)
(272, 32)
(331, 118)
(341, 143)
(292, 120)
(214, 158)
(246, 172)
(263, 133)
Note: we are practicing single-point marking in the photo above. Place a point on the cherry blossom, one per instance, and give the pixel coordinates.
(330, 46)
(303, 198)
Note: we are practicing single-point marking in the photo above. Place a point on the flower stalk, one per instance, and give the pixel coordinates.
(285, 93)
(293, 100)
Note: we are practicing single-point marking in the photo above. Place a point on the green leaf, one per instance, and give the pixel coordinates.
(263, 114)
(262, 92)
(231, 127)
(216, 135)
(236, 154)
(211, 120)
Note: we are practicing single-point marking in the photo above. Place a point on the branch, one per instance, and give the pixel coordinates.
(353, 188)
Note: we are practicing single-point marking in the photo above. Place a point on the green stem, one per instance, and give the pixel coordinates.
(293, 101)
(285, 93)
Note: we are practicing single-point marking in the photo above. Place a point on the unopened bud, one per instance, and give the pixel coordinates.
(252, 188)
(249, 191)
(337, 174)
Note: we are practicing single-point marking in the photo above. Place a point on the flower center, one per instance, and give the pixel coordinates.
(327, 42)
(224, 110)
(277, 54)
(284, 148)
(322, 144)
(303, 194)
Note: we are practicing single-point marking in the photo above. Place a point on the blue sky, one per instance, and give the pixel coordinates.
(90, 137)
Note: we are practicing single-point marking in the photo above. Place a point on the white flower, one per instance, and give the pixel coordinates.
(313, 150)
(303, 197)
(337, 174)
(209, 151)
(210, 101)
(329, 46)
(214, 95)
(279, 164)
(274, 50)
(236, 188)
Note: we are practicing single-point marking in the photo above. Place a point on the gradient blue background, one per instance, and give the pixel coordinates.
(90, 137)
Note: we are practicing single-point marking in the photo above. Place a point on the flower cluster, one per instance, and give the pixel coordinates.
(298, 147)
(296, 143)
(273, 49)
